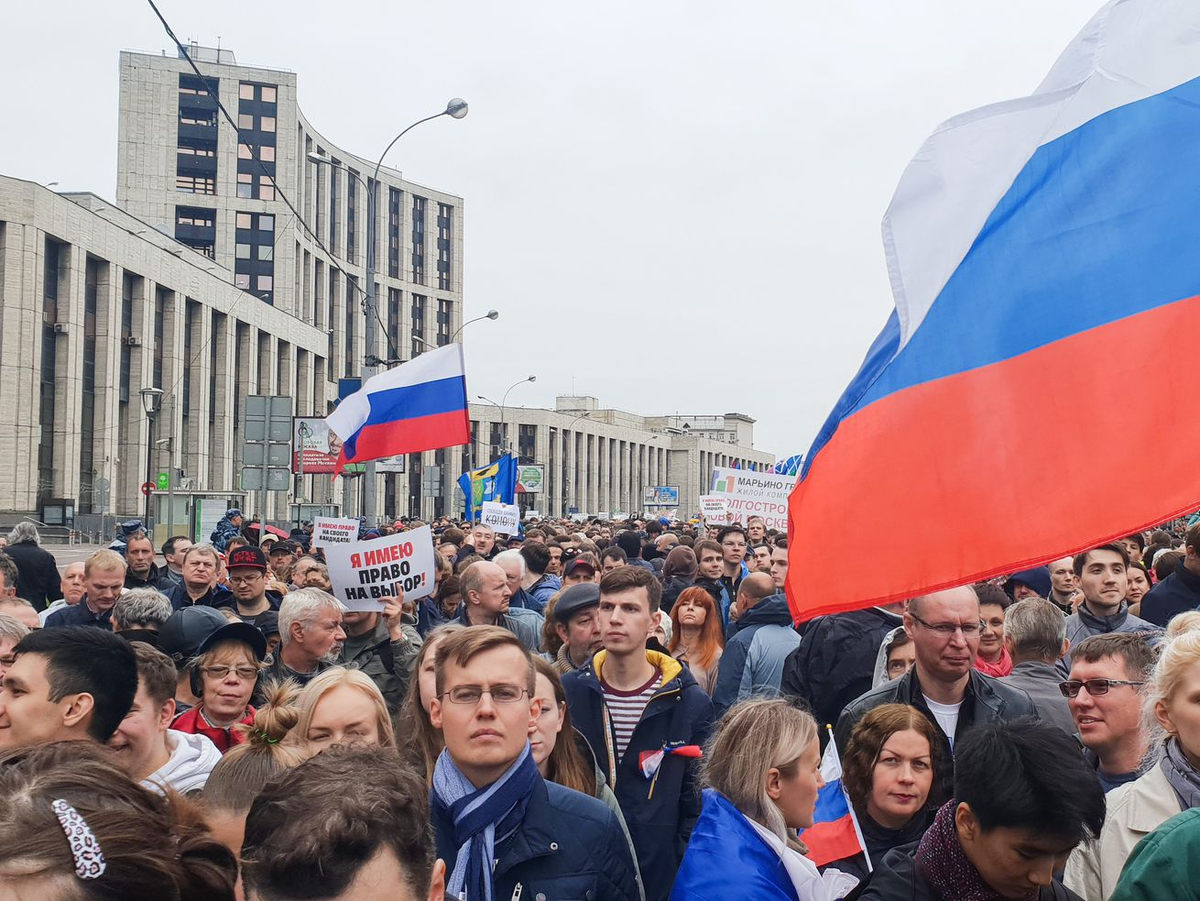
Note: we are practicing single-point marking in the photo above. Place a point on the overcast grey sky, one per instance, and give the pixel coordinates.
(674, 205)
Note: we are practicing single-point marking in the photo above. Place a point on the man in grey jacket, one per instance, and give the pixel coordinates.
(485, 595)
(1036, 634)
(758, 643)
(384, 647)
(1104, 583)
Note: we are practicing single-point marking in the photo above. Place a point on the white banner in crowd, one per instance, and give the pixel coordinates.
(750, 493)
(714, 508)
(365, 571)
(328, 530)
(504, 518)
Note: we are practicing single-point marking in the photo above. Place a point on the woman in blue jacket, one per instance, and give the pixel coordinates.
(762, 774)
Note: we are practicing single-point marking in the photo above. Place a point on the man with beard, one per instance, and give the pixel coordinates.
(311, 634)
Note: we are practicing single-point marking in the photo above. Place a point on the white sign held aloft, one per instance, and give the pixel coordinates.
(751, 493)
(362, 572)
(714, 508)
(328, 530)
(504, 518)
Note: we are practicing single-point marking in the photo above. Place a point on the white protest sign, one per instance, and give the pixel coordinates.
(362, 572)
(750, 493)
(714, 508)
(328, 530)
(504, 518)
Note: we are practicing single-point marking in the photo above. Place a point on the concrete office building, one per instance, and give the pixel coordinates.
(600, 460)
(184, 169)
(202, 281)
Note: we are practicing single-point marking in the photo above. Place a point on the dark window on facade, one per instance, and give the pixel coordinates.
(214, 343)
(395, 199)
(443, 322)
(334, 221)
(351, 201)
(87, 412)
(196, 137)
(161, 298)
(418, 240)
(254, 254)
(395, 298)
(128, 285)
(190, 309)
(445, 220)
(197, 228)
(418, 324)
(526, 442)
(256, 140)
(53, 261)
(351, 317)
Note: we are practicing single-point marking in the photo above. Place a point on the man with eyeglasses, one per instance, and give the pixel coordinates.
(944, 685)
(248, 582)
(502, 830)
(1105, 691)
(1103, 579)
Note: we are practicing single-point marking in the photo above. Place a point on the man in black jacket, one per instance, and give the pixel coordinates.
(835, 662)
(37, 573)
(944, 685)
(1180, 590)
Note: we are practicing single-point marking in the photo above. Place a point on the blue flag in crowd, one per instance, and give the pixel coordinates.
(495, 482)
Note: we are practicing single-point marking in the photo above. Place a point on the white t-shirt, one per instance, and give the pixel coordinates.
(946, 716)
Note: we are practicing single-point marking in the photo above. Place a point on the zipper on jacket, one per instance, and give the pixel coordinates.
(516, 895)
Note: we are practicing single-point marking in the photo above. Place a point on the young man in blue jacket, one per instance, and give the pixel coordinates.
(502, 830)
(645, 717)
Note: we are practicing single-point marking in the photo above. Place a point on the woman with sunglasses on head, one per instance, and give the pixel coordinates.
(1168, 786)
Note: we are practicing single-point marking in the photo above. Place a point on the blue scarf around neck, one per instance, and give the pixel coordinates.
(479, 817)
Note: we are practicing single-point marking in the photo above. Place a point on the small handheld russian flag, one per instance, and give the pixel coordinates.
(835, 833)
(651, 761)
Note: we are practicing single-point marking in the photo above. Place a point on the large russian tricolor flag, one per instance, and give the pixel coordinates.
(418, 406)
(1031, 395)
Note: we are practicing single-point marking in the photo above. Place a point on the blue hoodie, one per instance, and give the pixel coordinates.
(755, 650)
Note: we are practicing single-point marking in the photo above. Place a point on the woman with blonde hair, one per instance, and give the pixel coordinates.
(420, 742)
(762, 772)
(1173, 785)
(341, 707)
(697, 635)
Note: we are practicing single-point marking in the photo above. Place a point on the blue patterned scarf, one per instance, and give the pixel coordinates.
(479, 818)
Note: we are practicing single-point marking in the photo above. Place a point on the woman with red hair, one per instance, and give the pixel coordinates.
(697, 638)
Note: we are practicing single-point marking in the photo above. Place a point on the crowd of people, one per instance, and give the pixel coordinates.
(591, 710)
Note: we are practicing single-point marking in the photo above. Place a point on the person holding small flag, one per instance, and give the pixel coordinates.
(762, 774)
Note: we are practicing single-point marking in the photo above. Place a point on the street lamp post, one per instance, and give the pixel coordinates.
(151, 401)
(456, 109)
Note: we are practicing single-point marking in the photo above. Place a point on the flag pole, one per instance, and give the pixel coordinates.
(862, 842)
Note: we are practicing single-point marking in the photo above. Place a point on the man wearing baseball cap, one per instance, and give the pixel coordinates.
(248, 582)
(283, 557)
(577, 622)
(578, 571)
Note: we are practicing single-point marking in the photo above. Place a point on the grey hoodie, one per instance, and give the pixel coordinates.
(193, 757)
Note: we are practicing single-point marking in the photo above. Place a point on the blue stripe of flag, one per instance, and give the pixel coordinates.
(414, 401)
(831, 803)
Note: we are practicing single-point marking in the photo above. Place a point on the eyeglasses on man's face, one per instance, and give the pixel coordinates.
(473, 694)
(947, 630)
(1095, 687)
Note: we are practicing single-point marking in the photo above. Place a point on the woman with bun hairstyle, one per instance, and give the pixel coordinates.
(259, 757)
(75, 827)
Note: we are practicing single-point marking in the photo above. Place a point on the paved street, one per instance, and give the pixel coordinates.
(65, 554)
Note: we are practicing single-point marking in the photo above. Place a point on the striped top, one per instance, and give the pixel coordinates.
(625, 708)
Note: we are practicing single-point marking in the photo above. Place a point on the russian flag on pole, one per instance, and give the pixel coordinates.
(418, 406)
(834, 834)
(1043, 260)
